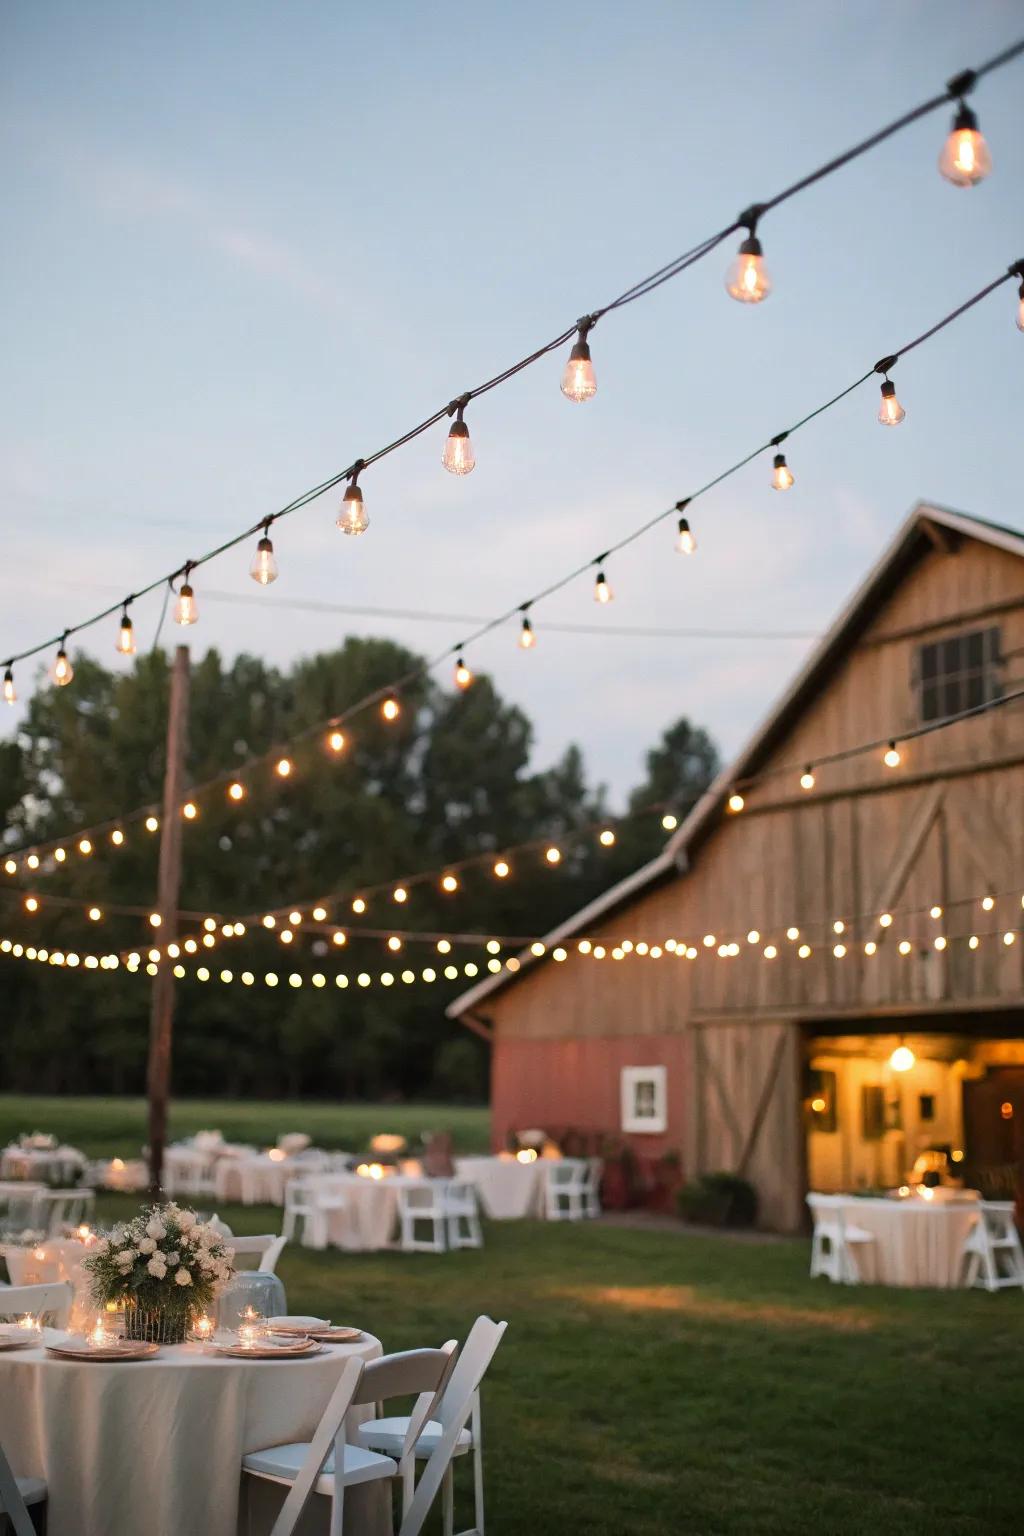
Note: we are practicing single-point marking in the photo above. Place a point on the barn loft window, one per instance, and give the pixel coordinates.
(958, 672)
(644, 1100)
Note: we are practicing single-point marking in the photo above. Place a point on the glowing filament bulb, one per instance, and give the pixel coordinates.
(553, 855)
(736, 803)
(987, 903)
(902, 1059)
(390, 708)
(458, 450)
(151, 823)
(358, 906)
(449, 883)
(400, 894)
(336, 741)
(891, 756)
(606, 838)
(31, 904)
(807, 778)
(602, 591)
(352, 517)
(126, 636)
(527, 638)
(686, 543)
(501, 870)
(62, 671)
(283, 767)
(669, 822)
(965, 158)
(578, 379)
(782, 475)
(10, 693)
(185, 610)
(236, 791)
(463, 676)
(746, 279)
(84, 847)
(264, 567)
(190, 810)
(890, 412)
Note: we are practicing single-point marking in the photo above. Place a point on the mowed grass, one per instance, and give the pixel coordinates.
(117, 1127)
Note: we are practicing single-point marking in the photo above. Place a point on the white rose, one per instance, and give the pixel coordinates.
(157, 1268)
(187, 1220)
(172, 1258)
(183, 1277)
(147, 1245)
(155, 1228)
(126, 1258)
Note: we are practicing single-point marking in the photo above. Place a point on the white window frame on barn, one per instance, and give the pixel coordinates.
(644, 1100)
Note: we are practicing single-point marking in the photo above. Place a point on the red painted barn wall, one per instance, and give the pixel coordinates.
(575, 1083)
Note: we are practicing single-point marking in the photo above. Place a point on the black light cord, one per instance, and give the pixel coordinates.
(955, 90)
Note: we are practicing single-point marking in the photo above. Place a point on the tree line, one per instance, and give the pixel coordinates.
(452, 777)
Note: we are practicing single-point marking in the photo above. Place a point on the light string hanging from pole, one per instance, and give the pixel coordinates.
(965, 160)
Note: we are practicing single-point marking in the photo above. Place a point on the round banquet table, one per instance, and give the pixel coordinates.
(151, 1447)
(367, 1220)
(916, 1242)
(508, 1190)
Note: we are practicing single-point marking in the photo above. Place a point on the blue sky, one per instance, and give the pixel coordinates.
(247, 243)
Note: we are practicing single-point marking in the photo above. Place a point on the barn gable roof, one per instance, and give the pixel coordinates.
(927, 526)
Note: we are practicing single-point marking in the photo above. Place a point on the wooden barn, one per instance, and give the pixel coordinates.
(819, 986)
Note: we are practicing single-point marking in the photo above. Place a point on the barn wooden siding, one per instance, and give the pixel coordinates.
(946, 826)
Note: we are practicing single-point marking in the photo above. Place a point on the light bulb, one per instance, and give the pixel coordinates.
(236, 791)
(463, 676)
(126, 636)
(736, 803)
(390, 708)
(578, 379)
(965, 158)
(890, 412)
(283, 767)
(449, 883)
(458, 450)
(62, 671)
(10, 693)
(501, 869)
(607, 838)
(553, 855)
(746, 279)
(190, 810)
(336, 741)
(264, 567)
(902, 1059)
(527, 638)
(352, 517)
(686, 543)
(185, 611)
(669, 822)
(891, 756)
(807, 778)
(602, 591)
(782, 475)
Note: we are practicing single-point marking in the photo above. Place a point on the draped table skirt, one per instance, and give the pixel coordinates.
(915, 1243)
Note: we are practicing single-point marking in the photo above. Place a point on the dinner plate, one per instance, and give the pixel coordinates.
(119, 1349)
(293, 1351)
(335, 1335)
(297, 1324)
(18, 1341)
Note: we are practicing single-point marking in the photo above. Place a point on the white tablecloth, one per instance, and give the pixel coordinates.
(154, 1448)
(366, 1223)
(916, 1242)
(508, 1190)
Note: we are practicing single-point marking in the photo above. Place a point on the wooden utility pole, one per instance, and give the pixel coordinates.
(161, 1018)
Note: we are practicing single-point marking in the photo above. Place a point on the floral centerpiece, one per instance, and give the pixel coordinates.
(164, 1268)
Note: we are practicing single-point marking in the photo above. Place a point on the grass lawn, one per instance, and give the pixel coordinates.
(117, 1127)
(653, 1383)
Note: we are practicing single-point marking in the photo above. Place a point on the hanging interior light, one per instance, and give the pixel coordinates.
(10, 692)
(126, 634)
(602, 591)
(458, 450)
(686, 542)
(890, 412)
(782, 475)
(527, 638)
(463, 676)
(578, 380)
(902, 1058)
(264, 567)
(185, 610)
(62, 671)
(352, 517)
(746, 279)
(965, 159)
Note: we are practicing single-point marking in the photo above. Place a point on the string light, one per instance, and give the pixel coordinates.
(965, 159)
(463, 676)
(458, 449)
(85, 846)
(126, 634)
(553, 855)
(352, 517)
(185, 609)
(283, 767)
(400, 894)
(606, 838)
(190, 810)
(782, 475)
(736, 803)
(686, 542)
(602, 591)
(263, 569)
(62, 671)
(151, 823)
(236, 791)
(10, 692)
(669, 822)
(747, 280)
(336, 741)
(891, 756)
(987, 903)
(807, 778)
(449, 883)
(578, 380)
(527, 638)
(390, 708)
(501, 869)
(890, 412)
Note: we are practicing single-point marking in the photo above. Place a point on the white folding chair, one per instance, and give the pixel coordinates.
(992, 1257)
(17, 1494)
(592, 1186)
(54, 1297)
(462, 1214)
(66, 1208)
(405, 1437)
(301, 1205)
(421, 1204)
(834, 1240)
(22, 1209)
(265, 1250)
(313, 1466)
(565, 1190)
(188, 1172)
(459, 1402)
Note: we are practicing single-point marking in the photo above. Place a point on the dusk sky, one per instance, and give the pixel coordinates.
(246, 243)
